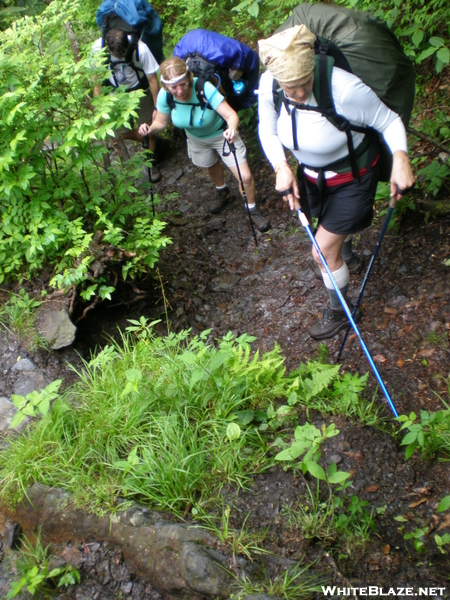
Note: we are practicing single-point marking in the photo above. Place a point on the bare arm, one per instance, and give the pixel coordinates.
(159, 123)
(231, 118)
(154, 86)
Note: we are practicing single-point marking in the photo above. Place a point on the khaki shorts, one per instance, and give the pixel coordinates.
(144, 111)
(204, 153)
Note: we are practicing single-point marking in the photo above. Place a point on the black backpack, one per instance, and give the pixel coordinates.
(363, 45)
(205, 72)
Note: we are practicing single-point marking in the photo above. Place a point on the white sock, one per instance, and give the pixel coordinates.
(222, 187)
(341, 277)
(251, 206)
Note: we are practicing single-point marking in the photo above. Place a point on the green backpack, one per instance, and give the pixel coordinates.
(365, 46)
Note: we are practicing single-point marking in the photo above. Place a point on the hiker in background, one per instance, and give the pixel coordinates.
(325, 187)
(205, 130)
(137, 72)
(208, 53)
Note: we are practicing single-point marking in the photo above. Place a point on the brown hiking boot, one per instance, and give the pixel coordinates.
(332, 322)
(260, 222)
(223, 197)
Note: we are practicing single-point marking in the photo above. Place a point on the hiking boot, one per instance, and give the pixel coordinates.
(223, 197)
(355, 265)
(332, 322)
(260, 222)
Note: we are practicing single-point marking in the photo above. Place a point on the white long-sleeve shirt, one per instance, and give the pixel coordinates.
(319, 142)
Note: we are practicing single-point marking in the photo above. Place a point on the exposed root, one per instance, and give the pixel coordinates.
(88, 308)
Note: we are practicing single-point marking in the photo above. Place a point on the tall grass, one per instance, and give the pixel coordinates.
(148, 420)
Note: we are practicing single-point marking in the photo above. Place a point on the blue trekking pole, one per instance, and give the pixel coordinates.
(304, 222)
(367, 275)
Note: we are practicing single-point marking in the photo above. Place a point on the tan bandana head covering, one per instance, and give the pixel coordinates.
(289, 55)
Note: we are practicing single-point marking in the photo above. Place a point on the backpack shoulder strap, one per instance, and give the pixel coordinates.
(277, 95)
(200, 91)
(323, 72)
(170, 100)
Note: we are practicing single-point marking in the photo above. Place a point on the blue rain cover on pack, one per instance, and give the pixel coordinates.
(225, 53)
(139, 14)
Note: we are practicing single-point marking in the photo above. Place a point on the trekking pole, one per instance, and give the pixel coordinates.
(145, 145)
(369, 268)
(367, 275)
(304, 222)
(232, 150)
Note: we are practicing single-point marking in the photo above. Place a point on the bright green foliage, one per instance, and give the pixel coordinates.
(18, 315)
(340, 520)
(444, 504)
(441, 541)
(165, 420)
(54, 190)
(150, 420)
(417, 536)
(34, 403)
(419, 25)
(431, 434)
(311, 384)
(32, 562)
(308, 442)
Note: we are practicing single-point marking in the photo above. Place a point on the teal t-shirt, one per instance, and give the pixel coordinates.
(212, 122)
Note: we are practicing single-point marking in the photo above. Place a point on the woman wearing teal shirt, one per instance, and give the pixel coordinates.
(205, 132)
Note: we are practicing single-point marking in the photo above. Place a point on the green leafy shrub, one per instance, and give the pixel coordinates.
(34, 403)
(55, 192)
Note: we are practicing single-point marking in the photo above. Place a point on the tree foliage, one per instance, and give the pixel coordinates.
(55, 191)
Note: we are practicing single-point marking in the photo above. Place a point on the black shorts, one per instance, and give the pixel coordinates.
(346, 208)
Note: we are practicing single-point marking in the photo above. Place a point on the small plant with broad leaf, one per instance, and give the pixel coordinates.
(34, 403)
(36, 577)
(418, 539)
(429, 434)
(307, 444)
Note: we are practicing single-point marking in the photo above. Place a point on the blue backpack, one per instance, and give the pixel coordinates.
(139, 19)
(212, 56)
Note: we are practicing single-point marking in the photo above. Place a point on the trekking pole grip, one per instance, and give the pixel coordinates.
(146, 142)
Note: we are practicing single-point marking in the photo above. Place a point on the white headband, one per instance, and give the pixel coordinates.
(175, 79)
